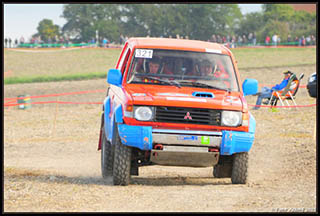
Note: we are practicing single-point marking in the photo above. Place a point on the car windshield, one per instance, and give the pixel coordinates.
(183, 68)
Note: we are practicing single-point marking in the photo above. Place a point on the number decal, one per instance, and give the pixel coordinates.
(143, 53)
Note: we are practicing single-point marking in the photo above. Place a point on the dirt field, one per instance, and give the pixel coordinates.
(51, 162)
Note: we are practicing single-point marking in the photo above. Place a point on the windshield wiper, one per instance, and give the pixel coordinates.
(198, 84)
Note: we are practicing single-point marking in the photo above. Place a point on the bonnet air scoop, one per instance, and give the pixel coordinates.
(203, 94)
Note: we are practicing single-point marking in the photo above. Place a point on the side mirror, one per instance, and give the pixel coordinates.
(250, 87)
(114, 77)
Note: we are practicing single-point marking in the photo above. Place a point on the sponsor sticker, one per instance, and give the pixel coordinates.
(205, 140)
(143, 53)
(213, 51)
(138, 94)
(187, 138)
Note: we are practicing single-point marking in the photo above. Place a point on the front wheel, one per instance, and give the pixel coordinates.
(107, 157)
(122, 162)
(240, 168)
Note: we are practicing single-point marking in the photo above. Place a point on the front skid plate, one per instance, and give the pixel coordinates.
(191, 159)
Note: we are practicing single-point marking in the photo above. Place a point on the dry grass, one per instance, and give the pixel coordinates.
(42, 63)
(274, 57)
(57, 169)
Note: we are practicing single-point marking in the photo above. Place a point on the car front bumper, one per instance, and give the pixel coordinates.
(145, 138)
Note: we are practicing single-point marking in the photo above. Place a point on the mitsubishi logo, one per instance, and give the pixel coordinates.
(188, 116)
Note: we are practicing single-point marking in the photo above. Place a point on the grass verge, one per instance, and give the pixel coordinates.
(55, 78)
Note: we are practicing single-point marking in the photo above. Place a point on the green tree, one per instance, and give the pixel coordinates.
(47, 30)
(251, 22)
(274, 27)
(277, 12)
(83, 20)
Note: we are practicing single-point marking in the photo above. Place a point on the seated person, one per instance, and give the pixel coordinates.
(206, 68)
(221, 73)
(168, 66)
(267, 92)
(153, 68)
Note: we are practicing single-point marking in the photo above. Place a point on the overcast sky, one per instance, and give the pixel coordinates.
(23, 19)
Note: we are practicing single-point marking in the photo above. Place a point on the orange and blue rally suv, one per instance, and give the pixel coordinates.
(176, 102)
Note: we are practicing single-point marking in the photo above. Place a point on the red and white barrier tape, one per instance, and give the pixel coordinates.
(13, 101)
(269, 106)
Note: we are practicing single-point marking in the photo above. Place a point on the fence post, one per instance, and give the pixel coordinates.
(55, 118)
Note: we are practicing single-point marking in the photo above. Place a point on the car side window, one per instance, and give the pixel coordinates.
(125, 63)
(124, 60)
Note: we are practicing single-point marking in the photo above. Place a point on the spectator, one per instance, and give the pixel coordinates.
(214, 39)
(105, 42)
(254, 39)
(303, 40)
(6, 42)
(308, 40)
(274, 39)
(224, 39)
(267, 92)
(239, 40)
(21, 40)
(121, 39)
(267, 41)
(61, 40)
(9, 40)
(219, 39)
(233, 41)
(297, 41)
(245, 41)
(289, 39)
(93, 42)
(16, 42)
(228, 39)
(250, 37)
(313, 40)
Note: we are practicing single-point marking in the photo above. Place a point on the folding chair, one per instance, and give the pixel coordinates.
(288, 93)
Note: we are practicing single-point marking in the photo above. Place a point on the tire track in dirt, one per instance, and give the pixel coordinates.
(60, 172)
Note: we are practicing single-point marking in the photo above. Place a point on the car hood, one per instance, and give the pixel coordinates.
(156, 95)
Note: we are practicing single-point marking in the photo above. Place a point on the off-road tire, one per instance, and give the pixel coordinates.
(240, 168)
(122, 162)
(107, 156)
(222, 171)
(224, 167)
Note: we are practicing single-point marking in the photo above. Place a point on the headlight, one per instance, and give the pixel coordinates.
(143, 113)
(231, 118)
(312, 78)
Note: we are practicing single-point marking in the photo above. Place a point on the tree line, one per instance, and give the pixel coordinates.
(193, 21)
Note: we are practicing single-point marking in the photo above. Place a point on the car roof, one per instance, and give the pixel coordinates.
(177, 44)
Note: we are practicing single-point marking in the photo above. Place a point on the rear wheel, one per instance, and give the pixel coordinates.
(107, 156)
(122, 162)
(240, 168)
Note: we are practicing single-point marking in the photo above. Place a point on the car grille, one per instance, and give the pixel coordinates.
(188, 115)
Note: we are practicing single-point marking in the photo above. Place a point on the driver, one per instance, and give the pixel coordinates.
(154, 65)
